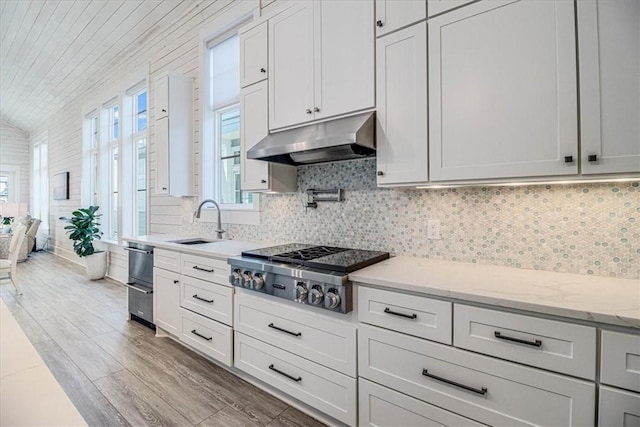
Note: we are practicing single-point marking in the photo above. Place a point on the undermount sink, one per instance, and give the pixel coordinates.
(194, 241)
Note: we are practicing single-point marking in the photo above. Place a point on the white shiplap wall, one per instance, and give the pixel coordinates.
(176, 49)
(14, 151)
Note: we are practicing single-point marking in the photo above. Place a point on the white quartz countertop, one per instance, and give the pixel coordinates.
(217, 248)
(591, 298)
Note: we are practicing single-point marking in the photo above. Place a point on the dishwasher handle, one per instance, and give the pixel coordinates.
(144, 290)
(140, 251)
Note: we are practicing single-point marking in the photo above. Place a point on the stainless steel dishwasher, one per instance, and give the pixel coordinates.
(140, 283)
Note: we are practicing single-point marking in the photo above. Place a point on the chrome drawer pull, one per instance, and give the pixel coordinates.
(295, 334)
(536, 343)
(481, 391)
(195, 332)
(291, 377)
(195, 267)
(210, 301)
(140, 251)
(395, 313)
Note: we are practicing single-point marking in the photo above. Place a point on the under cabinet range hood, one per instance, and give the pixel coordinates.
(341, 139)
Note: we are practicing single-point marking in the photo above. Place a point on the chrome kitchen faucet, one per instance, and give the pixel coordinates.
(219, 231)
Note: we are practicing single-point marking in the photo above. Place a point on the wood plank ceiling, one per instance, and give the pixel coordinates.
(51, 51)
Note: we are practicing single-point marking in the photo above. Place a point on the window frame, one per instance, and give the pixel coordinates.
(40, 181)
(225, 25)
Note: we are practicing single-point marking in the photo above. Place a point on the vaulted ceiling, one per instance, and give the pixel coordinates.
(51, 51)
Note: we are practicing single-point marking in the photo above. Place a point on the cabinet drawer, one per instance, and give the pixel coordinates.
(319, 338)
(315, 385)
(210, 337)
(206, 298)
(409, 314)
(381, 406)
(169, 260)
(548, 344)
(620, 360)
(618, 408)
(482, 388)
(204, 268)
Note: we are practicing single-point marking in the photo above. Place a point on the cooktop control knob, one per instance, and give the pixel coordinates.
(332, 299)
(258, 281)
(247, 279)
(236, 277)
(301, 292)
(316, 296)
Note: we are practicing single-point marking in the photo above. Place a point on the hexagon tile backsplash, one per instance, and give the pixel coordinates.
(578, 228)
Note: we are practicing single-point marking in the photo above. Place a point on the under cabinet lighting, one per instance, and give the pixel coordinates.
(523, 183)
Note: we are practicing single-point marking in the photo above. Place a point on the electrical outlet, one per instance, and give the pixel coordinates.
(433, 229)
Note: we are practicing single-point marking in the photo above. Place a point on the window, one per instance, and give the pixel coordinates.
(111, 144)
(115, 163)
(40, 182)
(221, 141)
(139, 148)
(4, 188)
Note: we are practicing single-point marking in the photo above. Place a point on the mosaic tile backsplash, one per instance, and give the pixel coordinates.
(579, 228)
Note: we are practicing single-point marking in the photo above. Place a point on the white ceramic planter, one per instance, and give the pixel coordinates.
(96, 265)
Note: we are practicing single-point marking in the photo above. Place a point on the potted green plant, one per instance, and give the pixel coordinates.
(83, 229)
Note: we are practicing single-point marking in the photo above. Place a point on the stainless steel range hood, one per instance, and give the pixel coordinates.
(341, 139)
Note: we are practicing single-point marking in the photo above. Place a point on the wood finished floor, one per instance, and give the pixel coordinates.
(117, 372)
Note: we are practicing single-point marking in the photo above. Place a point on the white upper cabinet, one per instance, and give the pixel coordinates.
(401, 87)
(503, 91)
(253, 55)
(321, 60)
(174, 135)
(609, 60)
(258, 175)
(162, 98)
(291, 66)
(436, 7)
(344, 61)
(392, 15)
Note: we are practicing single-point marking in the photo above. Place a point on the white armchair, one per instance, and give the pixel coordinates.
(8, 266)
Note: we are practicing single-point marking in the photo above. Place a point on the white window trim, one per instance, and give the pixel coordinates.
(14, 195)
(45, 225)
(234, 16)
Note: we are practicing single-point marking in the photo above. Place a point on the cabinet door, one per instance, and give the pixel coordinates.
(253, 55)
(166, 301)
(253, 127)
(291, 66)
(609, 85)
(392, 15)
(162, 156)
(436, 7)
(401, 86)
(502, 91)
(162, 97)
(344, 61)
(618, 408)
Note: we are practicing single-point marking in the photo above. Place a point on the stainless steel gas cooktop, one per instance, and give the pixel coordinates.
(307, 274)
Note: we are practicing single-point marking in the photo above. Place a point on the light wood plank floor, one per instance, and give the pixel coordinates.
(117, 372)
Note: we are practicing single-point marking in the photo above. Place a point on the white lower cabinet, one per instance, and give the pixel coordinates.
(166, 300)
(620, 360)
(195, 311)
(320, 387)
(549, 344)
(210, 337)
(382, 407)
(618, 408)
(328, 342)
(208, 299)
(482, 388)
